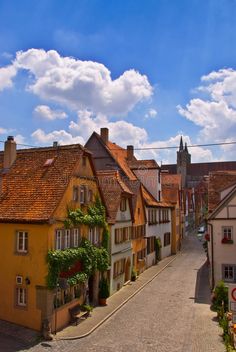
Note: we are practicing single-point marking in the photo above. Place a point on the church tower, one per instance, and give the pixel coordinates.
(183, 160)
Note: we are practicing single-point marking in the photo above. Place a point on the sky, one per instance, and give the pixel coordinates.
(150, 71)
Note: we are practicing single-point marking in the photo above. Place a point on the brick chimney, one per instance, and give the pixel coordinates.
(9, 152)
(130, 152)
(104, 133)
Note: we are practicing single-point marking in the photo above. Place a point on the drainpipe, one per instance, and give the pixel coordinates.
(212, 257)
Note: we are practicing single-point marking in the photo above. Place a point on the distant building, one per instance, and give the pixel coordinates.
(193, 196)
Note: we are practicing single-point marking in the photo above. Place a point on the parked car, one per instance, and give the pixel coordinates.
(200, 232)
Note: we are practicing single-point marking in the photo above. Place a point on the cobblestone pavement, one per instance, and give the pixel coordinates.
(171, 314)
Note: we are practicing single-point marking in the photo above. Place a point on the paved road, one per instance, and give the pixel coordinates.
(171, 314)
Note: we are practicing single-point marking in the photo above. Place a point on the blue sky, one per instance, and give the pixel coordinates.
(182, 54)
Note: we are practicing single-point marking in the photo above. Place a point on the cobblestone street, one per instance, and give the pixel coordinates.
(171, 313)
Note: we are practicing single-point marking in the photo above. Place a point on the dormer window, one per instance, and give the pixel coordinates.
(75, 194)
(123, 204)
(82, 195)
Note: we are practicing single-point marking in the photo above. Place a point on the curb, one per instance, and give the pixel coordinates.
(120, 306)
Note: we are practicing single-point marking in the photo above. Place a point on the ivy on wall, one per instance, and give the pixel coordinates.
(92, 258)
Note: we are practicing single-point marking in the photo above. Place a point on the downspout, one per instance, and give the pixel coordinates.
(212, 257)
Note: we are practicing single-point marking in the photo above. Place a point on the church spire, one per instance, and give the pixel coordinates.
(181, 147)
(186, 148)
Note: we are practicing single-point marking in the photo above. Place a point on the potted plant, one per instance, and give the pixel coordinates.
(133, 274)
(103, 291)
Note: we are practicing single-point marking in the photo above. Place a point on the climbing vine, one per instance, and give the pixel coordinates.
(91, 258)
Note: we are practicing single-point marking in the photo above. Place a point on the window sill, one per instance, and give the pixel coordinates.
(21, 253)
(227, 241)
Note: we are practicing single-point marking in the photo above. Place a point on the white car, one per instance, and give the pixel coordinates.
(200, 233)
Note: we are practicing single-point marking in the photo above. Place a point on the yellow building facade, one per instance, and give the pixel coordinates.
(33, 208)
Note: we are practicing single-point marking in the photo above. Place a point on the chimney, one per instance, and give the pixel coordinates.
(55, 144)
(9, 152)
(130, 152)
(104, 133)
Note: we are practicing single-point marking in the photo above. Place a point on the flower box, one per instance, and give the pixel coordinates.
(227, 241)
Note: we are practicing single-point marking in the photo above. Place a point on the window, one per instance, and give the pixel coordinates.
(59, 239)
(76, 237)
(152, 216)
(94, 235)
(82, 195)
(123, 204)
(67, 239)
(166, 239)
(229, 272)
(21, 296)
(159, 195)
(227, 232)
(90, 195)
(118, 268)
(75, 194)
(22, 241)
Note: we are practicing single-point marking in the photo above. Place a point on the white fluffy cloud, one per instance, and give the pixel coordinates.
(45, 112)
(78, 84)
(168, 156)
(151, 114)
(121, 132)
(216, 115)
(6, 75)
(62, 137)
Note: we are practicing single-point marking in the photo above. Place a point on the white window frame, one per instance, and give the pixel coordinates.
(75, 193)
(25, 238)
(58, 239)
(229, 232)
(228, 266)
(67, 238)
(21, 297)
(82, 195)
(91, 234)
(76, 237)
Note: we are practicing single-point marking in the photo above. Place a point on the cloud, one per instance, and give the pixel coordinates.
(3, 130)
(62, 137)
(151, 113)
(121, 132)
(6, 75)
(216, 114)
(78, 84)
(45, 112)
(19, 139)
(169, 155)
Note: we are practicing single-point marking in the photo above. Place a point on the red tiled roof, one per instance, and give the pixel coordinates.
(218, 181)
(120, 155)
(171, 179)
(143, 164)
(30, 191)
(112, 188)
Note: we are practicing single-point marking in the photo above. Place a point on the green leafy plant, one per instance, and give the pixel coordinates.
(220, 295)
(91, 258)
(133, 274)
(86, 308)
(158, 248)
(104, 288)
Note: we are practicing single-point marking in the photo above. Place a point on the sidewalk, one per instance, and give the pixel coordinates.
(100, 314)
